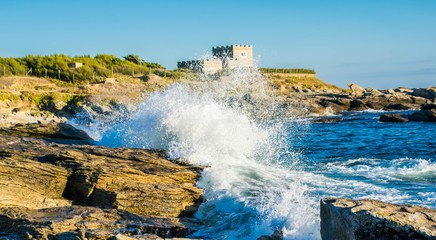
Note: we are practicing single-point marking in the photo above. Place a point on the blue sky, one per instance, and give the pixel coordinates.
(375, 43)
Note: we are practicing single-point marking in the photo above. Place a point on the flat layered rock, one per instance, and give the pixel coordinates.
(343, 218)
(78, 222)
(51, 130)
(41, 177)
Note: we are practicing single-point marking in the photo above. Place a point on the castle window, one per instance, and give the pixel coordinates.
(243, 54)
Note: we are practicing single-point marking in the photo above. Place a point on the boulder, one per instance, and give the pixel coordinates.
(403, 90)
(356, 90)
(390, 91)
(419, 100)
(343, 218)
(393, 118)
(373, 92)
(357, 104)
(429, 93)
(334, 105)
(378, 102)
(428, 106)
(423, 115)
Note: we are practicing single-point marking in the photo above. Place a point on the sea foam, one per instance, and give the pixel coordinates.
(229, 127)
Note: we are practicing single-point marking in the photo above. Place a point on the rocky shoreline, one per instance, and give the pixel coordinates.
(55, 184)
(317, 103)
(50, 190)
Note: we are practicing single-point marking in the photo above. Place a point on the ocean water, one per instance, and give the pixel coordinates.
(267, 172)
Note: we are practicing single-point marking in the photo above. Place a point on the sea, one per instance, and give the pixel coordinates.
(266, 170)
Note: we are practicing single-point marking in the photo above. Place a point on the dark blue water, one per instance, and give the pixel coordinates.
(361, 157)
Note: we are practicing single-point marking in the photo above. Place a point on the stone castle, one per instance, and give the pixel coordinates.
(224, 57)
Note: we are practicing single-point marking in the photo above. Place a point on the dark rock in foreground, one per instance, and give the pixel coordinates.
(50, 190)
(343, 218)
(393, 118)
(426, 114)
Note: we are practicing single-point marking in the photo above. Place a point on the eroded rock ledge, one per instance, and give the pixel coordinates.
(343, 218)
(50, 190)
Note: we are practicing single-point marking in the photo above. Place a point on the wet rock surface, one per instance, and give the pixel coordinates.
(58, 191)
(426, 114)
(393, 118)
(343, 218)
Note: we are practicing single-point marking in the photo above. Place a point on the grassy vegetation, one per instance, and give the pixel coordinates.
(285, 83)
(9, 96)
(93, 69)
(287, 70)
(49, 100)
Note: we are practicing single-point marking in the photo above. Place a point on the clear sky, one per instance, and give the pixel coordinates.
(374, 43)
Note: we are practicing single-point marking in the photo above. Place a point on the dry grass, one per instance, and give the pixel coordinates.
(286, 83)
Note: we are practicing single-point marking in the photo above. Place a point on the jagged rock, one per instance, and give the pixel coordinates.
(429, 93)
(36, 175)
(371, 219)
(390, 91)
(356, 90)
(423, 115)
(393, 118)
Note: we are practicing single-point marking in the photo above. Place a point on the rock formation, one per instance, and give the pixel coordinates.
(426, 114)
(51, 130)
(343, 218)
(356, 90)
(51, 190)
(393, 118)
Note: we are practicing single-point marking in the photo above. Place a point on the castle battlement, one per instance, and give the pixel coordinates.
(230, 46)
(225, 57)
